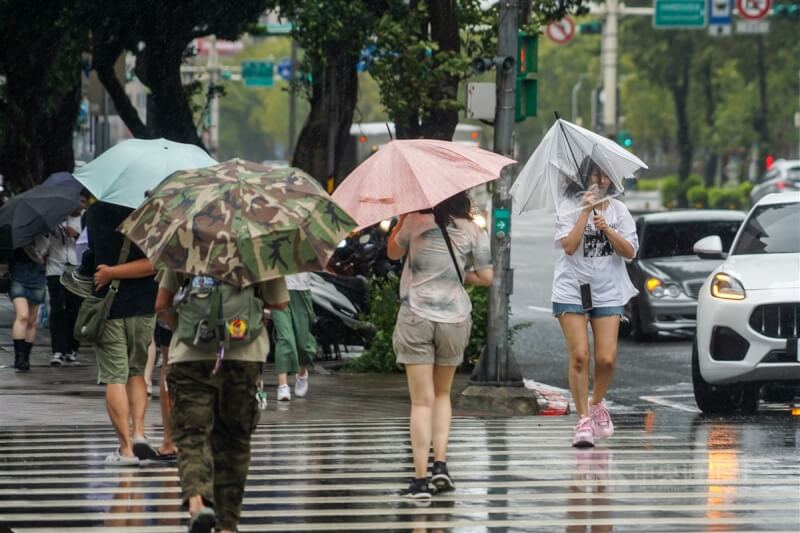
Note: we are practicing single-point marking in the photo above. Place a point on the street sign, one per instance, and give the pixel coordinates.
(753, 9)
(284, 68)
(758, 27)
(561, 31)
(720, 16)
(673, 14)
(258, 73)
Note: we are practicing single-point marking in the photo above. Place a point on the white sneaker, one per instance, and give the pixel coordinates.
(57, 360)
(71, 357)
(115, 459)
(301, 386)
(284, 393)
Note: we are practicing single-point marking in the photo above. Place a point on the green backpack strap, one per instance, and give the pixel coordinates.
(216, 320)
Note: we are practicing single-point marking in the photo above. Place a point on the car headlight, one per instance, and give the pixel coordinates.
(727, 287)
(658, 289)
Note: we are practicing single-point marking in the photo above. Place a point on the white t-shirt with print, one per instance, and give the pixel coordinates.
(298, 282)
(430, 286)
(595, 261)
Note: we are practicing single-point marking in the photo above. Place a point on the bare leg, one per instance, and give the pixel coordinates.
(574, 327)
(442, 409)
(167, 444)
(605, 332)
(283, 379)
(137, 398)
(33, 319)
(420, 388)
(151, 362)
(22, 316)
(119, 413)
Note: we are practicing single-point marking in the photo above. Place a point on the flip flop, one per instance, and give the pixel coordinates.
(143, 450)
(203, 522)
(166, 457)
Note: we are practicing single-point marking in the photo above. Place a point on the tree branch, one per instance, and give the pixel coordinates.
(125, 109)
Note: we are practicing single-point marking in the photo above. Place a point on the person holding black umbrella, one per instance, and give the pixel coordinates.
(27, 292)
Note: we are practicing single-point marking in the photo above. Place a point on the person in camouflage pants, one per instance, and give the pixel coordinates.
(214, 415)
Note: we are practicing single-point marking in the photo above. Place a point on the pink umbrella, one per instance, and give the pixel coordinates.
(410, 175)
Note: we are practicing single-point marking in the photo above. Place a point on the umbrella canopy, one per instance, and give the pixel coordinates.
(123, 174)
(410, 175)
(62, 179)
(556, 174)
(240, 222)
(35, 212)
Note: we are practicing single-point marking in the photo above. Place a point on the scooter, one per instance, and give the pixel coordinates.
(340, 306)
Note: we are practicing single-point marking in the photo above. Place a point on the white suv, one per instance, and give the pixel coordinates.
(748, 310)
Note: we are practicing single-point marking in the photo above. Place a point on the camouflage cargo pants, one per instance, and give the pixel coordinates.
(213, 417)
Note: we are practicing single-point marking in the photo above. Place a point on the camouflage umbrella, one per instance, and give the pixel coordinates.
(240, 222)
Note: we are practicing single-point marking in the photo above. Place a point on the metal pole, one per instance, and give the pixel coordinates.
(292, 103)
(575, 90)
(213, 80)
(331, 126)
(609, 66)
(497, 365)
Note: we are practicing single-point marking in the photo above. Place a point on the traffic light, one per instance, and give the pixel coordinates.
(790, 11)
(593, 27)
(527, 54)
(625, 139)
(526, 90)
(769, 160)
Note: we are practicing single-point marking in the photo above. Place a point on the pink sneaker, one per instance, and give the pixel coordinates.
(601, 420)
(584, 435)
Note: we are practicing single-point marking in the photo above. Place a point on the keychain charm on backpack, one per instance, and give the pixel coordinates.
(237, 329)
(261, 396)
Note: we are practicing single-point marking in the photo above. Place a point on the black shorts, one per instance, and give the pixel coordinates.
(162, 336)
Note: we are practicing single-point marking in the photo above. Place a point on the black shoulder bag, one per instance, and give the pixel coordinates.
(449, 243)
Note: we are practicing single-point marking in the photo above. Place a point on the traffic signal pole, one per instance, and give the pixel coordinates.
(610, 45)
(496, 383)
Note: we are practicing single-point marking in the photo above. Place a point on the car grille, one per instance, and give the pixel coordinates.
(693, 288)
(780, 321)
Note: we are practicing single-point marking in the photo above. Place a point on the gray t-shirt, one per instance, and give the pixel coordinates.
(430, 285)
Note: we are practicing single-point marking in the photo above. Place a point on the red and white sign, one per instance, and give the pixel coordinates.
(561, 31)
(224, 48)
(753, 9)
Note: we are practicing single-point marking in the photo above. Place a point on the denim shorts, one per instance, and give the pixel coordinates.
(35, 296)
(598, 312)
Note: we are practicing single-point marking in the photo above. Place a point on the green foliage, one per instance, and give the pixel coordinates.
(384, 304)
(697, 196)
(674, 191)
(648, 185)
(745, 188)
(726, 198)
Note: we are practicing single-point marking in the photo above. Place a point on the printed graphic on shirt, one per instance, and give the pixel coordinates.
(595, 242)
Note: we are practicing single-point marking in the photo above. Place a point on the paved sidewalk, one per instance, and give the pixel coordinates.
(69, 395)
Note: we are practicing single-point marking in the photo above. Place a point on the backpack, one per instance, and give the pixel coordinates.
(213, 314)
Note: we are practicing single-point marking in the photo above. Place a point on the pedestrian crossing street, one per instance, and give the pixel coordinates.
(516, 474)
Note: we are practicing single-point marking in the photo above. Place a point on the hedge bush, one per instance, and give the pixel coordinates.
(697, 196)
(384, 304)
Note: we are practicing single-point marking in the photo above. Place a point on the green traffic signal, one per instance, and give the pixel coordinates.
(625, 139)
(593, 27)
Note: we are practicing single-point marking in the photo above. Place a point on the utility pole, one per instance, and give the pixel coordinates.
(496, 383)
(610, 45)
(292, 103)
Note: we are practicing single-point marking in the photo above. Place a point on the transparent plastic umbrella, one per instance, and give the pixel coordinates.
(565, 166)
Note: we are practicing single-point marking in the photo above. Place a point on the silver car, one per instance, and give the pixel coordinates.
(783, 176)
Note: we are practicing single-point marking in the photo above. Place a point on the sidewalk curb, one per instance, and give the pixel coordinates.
(552, 401)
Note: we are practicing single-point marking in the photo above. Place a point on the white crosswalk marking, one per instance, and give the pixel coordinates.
(515, 474)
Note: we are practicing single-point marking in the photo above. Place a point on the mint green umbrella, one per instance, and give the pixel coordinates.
(124, 173)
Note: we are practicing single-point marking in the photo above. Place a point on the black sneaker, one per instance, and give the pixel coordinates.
(441, 477)
(418, 489)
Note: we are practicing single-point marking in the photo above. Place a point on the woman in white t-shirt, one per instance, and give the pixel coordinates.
(591, 283)
(433, 324)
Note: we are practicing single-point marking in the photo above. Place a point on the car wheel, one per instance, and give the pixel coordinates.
(721, 399)
(638, 334)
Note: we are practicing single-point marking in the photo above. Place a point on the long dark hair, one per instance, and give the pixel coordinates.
(457, 206)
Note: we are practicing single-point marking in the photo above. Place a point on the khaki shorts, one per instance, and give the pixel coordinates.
(419, 341)
(121, 350)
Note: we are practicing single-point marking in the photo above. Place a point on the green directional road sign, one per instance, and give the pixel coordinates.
(258, 73)
(671, 14)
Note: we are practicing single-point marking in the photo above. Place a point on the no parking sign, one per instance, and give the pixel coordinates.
(753, 9)
(561, 31)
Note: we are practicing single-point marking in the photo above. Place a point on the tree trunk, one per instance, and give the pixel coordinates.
(333, 100)
(760, 123)
(441, 123)
(711, 156)
(680, 95)
(103, 59)
(159, 67)
(57, 131)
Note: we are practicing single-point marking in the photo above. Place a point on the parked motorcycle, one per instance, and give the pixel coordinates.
(340, 306)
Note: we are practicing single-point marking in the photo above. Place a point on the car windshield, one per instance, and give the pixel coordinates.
(793, 174)
(669, 239)
(771, 229)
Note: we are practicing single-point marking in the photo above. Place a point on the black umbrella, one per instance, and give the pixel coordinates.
(35, 212)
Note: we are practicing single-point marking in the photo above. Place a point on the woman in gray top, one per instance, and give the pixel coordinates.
(433, 325)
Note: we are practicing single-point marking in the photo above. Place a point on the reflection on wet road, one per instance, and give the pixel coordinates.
(683, 473)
